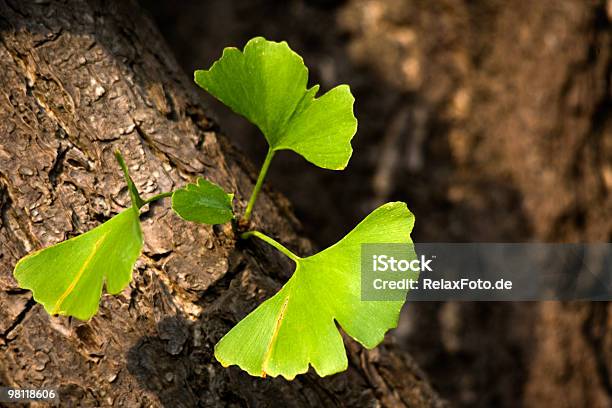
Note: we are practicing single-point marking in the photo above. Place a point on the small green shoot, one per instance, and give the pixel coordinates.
(267, 84)
(297, 326)
(203, 202)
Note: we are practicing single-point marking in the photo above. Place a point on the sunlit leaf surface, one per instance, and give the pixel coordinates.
(267, 84)
(204, 202)
(297, 326)
(67, 278)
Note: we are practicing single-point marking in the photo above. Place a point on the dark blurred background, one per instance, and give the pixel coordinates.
(491, 119)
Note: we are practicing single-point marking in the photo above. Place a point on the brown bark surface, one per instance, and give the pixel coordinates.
(79, 80)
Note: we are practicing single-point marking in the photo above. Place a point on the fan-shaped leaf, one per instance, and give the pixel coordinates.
(267, 84)
(67, 278)
(297, 326)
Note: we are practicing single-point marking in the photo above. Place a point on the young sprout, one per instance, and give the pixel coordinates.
(296, 328)
(267, 84)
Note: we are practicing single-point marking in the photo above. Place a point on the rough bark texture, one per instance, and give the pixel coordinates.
(492, 120)
(79, 80)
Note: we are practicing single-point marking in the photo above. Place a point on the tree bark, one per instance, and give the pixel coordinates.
(79, 80)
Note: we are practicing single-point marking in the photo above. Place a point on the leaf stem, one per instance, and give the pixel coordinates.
(137, 201)
(272, 242)
(258, 184)
(158, 197)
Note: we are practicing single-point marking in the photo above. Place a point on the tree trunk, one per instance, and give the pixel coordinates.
(79, 80)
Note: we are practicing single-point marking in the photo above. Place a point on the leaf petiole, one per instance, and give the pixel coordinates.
(137, 201)
(158, 197)
(258, 184)
(272, 242)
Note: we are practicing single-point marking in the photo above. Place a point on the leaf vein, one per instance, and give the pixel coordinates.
(79, 275)
(279, 320)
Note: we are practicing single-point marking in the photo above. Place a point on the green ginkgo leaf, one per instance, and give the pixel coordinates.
(267, 84)
(204, 202)
(297, 326)
(67, 278)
